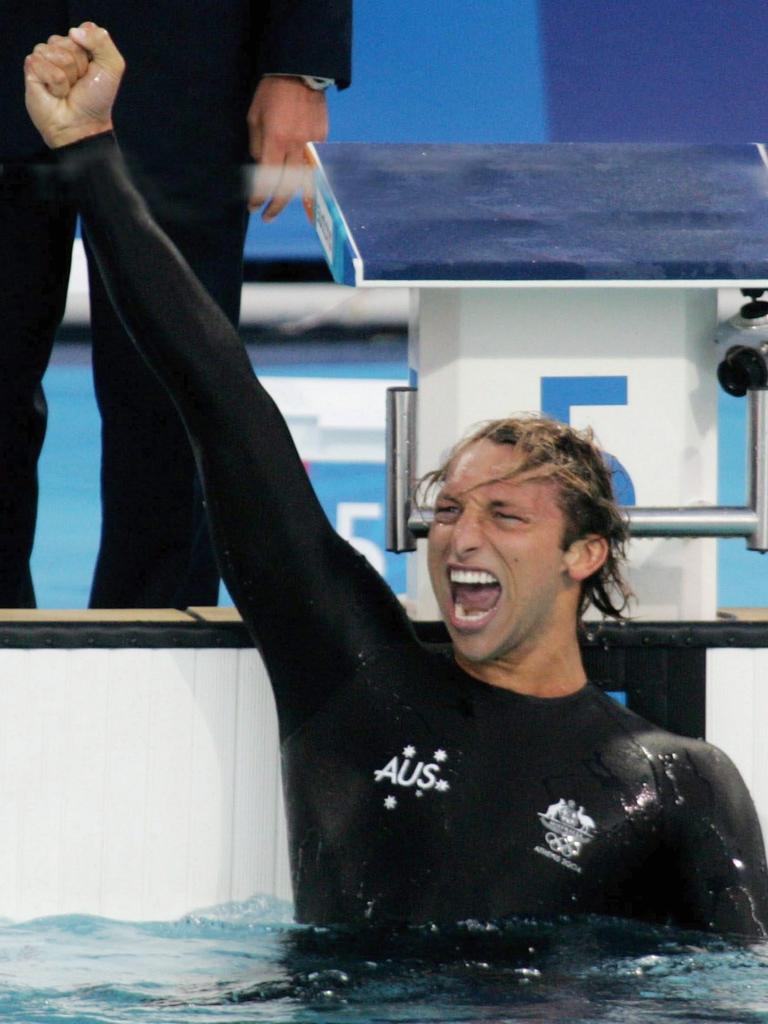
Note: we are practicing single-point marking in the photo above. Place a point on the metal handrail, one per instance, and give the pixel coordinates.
(406, 523)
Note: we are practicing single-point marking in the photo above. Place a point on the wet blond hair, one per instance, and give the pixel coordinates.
(552, 450)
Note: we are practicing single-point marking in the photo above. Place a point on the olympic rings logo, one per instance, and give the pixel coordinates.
(567, 846)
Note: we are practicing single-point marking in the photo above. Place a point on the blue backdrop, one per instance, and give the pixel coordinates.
(563, 70)
(544, 70)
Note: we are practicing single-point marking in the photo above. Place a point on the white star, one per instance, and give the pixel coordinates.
(390, 803)
(409, 751)
(419, 793)
(441, 785)
(440, 755)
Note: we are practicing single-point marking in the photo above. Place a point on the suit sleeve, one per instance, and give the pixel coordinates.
(314, 605)
(718, 846)
(306, 37)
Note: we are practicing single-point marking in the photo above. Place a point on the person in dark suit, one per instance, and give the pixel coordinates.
(264, 65)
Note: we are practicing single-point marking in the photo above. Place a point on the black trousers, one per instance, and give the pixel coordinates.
(181, 122)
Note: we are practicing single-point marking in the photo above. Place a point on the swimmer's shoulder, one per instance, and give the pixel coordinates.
(666, 748)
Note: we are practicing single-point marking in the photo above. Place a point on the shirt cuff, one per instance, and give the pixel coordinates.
(313, 81)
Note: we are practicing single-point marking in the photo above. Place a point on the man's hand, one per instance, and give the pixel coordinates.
(284, 115)
(71, 84)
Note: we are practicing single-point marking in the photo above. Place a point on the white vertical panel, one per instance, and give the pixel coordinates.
(137, 783)
(211, 775)
(759, 786)
(168, 825)
(129, 685)
(257, 849)
(42, 790)
(13, 741)
(30, 799)
(730, 688)
(79, 758)
(737, 713)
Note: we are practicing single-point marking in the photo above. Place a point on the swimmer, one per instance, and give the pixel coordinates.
(420, 787)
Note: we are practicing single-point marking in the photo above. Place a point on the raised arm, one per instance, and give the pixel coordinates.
(312, 602)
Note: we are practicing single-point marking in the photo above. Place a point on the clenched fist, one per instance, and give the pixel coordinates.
(71, 84)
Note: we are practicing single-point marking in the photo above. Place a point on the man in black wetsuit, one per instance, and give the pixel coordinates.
(421, 787)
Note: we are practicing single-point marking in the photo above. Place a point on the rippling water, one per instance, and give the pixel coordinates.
(247, 962)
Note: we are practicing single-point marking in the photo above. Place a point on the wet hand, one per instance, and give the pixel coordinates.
(71, 84)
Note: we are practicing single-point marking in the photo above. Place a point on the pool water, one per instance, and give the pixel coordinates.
(69, 515)
(247, 962)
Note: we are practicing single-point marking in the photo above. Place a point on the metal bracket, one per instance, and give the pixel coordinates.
(405, 522)
(401, 462)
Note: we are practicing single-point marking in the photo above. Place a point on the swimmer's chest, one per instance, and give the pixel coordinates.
(493, 806)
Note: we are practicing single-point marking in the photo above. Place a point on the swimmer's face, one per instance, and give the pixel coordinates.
(502, 580)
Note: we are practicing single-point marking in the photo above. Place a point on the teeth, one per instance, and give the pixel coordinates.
(471, 576)
(464, 615)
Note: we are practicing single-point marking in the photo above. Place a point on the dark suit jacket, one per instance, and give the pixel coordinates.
(191, 66)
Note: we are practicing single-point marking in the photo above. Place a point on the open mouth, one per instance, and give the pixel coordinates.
(475, 594)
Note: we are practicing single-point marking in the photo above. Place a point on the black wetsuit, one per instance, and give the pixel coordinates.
(414, 792)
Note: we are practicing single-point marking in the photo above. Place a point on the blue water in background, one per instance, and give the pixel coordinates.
(245, 962)
(69, 517)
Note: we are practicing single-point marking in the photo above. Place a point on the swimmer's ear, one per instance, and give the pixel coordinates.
(585, 556)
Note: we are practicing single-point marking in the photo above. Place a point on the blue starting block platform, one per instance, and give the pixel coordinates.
(581, 280)
(520, 214)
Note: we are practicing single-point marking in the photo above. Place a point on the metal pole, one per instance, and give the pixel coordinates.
(694, 521)
(401, 447)
(757, 442)
(697, 521)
